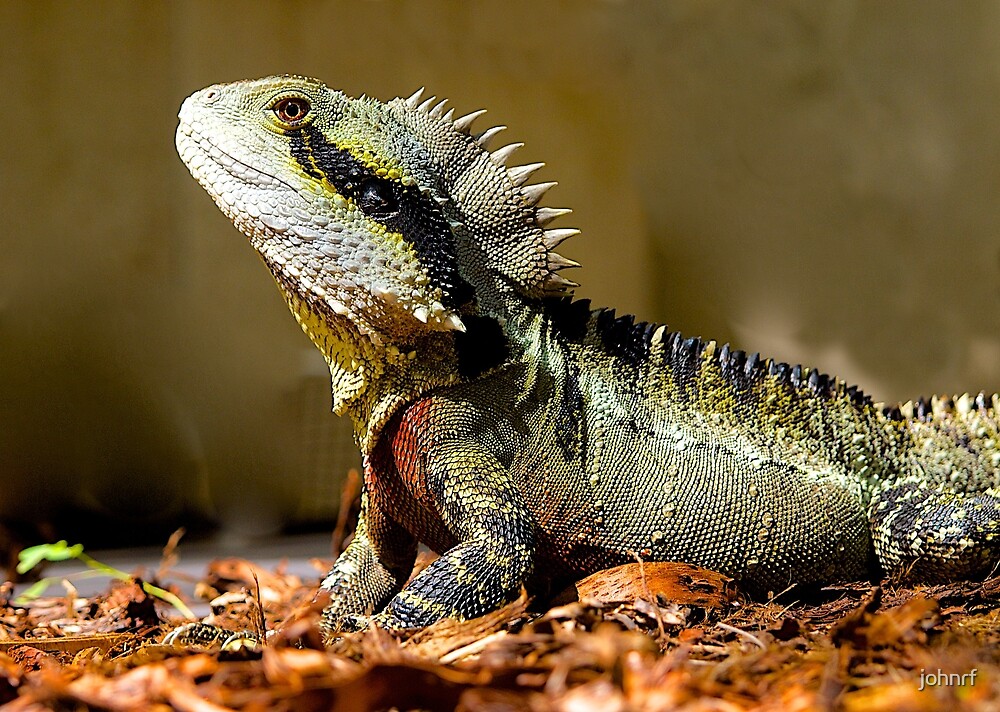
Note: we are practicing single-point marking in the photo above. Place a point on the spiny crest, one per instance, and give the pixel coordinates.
(636, 341)
(547, 281)
(743, 370)
(938, 408)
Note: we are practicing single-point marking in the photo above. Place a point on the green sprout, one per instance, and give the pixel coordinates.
(61, 551)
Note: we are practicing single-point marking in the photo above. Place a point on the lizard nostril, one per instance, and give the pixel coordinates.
(211, 95)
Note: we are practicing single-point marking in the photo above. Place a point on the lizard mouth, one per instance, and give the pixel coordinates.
(195, 148)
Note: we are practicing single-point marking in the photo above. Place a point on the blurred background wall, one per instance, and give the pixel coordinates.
(814, 181)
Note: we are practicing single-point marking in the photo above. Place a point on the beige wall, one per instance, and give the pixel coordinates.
(814, 181)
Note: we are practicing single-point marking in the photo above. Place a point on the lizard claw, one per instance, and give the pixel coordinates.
(204, 636)
(353, 623)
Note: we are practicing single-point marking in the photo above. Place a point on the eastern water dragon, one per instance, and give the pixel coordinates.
(529, 438)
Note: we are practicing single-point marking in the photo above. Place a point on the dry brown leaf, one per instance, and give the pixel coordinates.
(642, 654)
(675, 582)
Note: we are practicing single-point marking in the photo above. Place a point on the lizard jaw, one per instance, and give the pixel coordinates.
(314, 242)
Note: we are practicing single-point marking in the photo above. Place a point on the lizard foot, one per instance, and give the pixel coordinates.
(202, 636)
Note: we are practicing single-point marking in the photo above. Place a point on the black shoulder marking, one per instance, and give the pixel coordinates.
(569, 317)
(482, 346)
(623, 337)
(423, 225)
(399, 208)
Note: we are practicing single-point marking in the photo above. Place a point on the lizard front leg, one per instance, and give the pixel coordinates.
(481, 507)
(364, 578)
(369, 572)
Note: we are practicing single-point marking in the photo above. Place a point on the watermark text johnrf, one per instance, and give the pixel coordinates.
(945, 679)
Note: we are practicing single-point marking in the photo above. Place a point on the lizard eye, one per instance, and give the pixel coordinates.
(378, 199)
(291, 110)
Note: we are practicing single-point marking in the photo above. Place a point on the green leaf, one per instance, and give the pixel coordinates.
(34, 591)
(60, 551)
(170, 598)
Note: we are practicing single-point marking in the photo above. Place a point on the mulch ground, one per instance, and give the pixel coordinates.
(640, 637)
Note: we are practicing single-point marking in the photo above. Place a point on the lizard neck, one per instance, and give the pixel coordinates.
(371, 377)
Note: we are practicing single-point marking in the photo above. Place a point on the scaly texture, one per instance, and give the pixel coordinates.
(528, 438)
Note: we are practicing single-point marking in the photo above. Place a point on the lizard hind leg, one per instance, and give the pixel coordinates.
(923, 533)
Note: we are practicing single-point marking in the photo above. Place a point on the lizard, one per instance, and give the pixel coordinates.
(529, 438)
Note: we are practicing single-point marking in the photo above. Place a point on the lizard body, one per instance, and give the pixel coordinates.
(528, 438)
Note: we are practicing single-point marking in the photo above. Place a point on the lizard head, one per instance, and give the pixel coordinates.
(401, 244)
(392, 216)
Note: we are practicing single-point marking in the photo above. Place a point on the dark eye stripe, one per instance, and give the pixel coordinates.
(403, 209)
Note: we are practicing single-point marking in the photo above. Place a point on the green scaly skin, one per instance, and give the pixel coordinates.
(529, 439)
